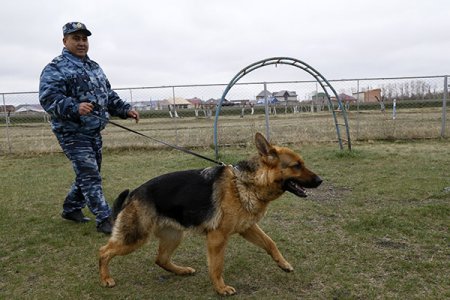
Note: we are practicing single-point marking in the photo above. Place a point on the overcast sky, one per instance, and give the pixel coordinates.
(170, 42)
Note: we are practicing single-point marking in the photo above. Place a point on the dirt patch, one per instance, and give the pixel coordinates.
(386, 242)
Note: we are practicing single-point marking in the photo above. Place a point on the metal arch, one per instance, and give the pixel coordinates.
(301, 65)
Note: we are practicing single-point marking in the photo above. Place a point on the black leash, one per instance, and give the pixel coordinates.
(159, 141)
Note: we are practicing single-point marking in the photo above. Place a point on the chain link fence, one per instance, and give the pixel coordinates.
(296, 112)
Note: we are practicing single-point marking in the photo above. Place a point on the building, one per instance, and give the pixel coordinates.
(263, 95)
(196, 102)
(146, 105)
(7, 108)
(29, 108)
(285, 95)
(373, 95)
(177, 102)
(345, 99)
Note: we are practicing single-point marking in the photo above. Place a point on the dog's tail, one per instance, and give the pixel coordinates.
(118, 203)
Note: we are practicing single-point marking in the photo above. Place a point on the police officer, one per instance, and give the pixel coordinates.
(73, 88)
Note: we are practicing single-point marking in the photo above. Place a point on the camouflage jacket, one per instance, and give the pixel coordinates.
(66, 82)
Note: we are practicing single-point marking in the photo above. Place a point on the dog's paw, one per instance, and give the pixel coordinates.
(186, 271)
(286, 267)
(226, 290)
(108, 282)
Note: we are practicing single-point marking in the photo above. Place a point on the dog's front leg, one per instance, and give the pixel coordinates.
(216, 242)
(258, 237)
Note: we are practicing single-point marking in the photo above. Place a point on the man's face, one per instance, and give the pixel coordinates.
(77, 43)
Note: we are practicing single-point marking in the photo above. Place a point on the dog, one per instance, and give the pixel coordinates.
(216, 201)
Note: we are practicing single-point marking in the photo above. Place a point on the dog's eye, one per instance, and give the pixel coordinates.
(297, 166)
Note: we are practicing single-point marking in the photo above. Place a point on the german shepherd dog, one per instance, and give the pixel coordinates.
(217, 201)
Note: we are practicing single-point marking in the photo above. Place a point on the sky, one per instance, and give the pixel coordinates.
(175, 42)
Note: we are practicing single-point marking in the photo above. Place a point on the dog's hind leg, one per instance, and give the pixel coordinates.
(258, 237)
(108, 252)
(169, 240)
(128, 235)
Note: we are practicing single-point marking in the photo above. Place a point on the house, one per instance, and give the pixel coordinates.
(7, 108)
(212, 101)
(145, 105)
(29, 108)
(346, 99)
(319, 97)
(373, 95)
(263, 95)
(285, 95)
(196, 102)
(176, 102)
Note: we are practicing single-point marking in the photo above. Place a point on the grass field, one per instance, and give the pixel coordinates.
(365, 125)
(377, 228)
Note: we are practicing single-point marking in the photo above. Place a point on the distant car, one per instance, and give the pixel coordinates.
(271, 100)
(227, 103)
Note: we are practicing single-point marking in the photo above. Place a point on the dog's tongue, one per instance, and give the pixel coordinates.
(296, 189)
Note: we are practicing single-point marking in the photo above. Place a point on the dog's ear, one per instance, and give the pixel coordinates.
(265, 149)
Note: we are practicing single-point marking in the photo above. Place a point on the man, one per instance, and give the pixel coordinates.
(74, 90)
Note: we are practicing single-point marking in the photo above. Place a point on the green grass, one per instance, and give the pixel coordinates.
(378, 227)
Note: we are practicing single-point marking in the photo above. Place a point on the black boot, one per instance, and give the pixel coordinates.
(76, 216)
(105, 226)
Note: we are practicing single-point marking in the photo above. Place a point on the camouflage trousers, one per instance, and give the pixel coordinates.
(85, 153)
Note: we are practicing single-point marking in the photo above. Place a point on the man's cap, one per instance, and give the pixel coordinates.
(72, 27)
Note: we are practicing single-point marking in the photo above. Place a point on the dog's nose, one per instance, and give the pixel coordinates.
(318, 181)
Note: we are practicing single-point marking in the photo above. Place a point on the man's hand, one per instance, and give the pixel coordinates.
(85, 108)
(133, 114)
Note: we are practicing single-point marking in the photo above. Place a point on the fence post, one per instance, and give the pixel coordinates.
(444, 106)
(266, 104)
(7, 124)
(357, 110)
(175, 116)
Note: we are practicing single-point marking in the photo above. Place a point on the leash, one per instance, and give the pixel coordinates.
(159, 141)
